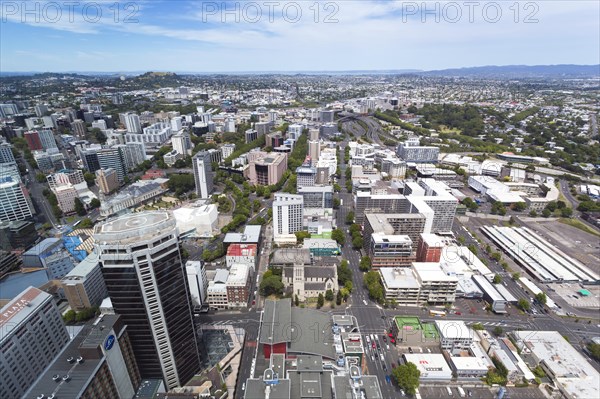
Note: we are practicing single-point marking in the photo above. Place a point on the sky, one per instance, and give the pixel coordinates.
(270, 35)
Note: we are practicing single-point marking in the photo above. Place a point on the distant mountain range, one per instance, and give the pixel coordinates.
(522, 71)
(491, 71)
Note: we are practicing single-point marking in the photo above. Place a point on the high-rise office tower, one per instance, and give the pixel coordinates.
(32, 334)
(132, 122)
(6, 154)
(112, 158)
(47, 139)
(287, 213)
(182, 143)
(203, 174)
(14, 201)
(146, 280)
(78, 128)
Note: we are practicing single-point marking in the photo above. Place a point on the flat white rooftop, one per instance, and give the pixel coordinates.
(533, 252)
(432, 271)
(398, 278)
(454, 329)
(570, 369)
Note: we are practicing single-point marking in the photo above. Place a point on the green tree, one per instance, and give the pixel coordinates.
(86, 223)
(497, 279)
(79, 208)
(336, 203)
(357, 242)
(338, 297)
(95, 203)
(519, 206)
(267, 193)
(516, 276)
(40, 177)
(594, 350)
(350, 217)
(320, 301)
(301, 235)
(498, 331)
(546, 213)
(90, 178)
(329, 295)
(296, 300)
(271, 285)
(473, 249)
(407, 377)
(566, 212)
(338, 236)
(541, 298)
(365, 264)
(497, 256)
(533, 213)
(523, 304)
(477, 326)
(70, 316)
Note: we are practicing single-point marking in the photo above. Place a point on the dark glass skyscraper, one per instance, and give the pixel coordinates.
(146, 281)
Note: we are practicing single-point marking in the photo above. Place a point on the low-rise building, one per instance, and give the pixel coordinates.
(433, 366)
(216, 292)
(244, 254)
(238, 285)
(66, 196)
(455, 336)
(574, 376)
(84, 286)
(49, 254)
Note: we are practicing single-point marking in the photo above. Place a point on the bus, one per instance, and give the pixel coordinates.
(437, 313)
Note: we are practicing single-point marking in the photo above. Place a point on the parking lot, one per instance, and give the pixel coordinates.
(570, 293)
(576, 243)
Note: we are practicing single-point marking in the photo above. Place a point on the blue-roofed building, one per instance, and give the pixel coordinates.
(52, 255)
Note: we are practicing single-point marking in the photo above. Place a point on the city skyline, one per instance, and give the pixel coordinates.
(236, 37)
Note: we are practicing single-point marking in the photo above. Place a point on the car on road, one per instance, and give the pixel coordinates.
(384, 338)
(384, 366)
(457, 313)
(244, 386)
(393, 365)
(382, 359)
(388, 379)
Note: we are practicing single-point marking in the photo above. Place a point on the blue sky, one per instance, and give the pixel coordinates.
(292, 36)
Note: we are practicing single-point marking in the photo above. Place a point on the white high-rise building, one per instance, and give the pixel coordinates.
(203, 174)
(294, 131)
(230, 125)
(14, 202)
(132, 123)
(176, 123)
(227, 150)
(197, 281)
(287, 214)
(182, 143)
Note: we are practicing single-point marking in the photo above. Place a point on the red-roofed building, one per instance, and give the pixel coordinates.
(242, 254)
(154, 174)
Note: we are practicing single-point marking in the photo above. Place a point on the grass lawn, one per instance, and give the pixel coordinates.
(446, 129)
(579, 225)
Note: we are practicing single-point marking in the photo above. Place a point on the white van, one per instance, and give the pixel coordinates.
(449, 391)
